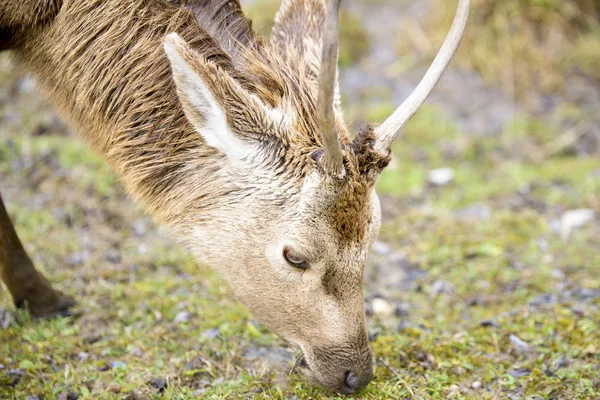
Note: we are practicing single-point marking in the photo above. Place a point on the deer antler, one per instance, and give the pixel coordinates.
(332, 160)
(387, 132)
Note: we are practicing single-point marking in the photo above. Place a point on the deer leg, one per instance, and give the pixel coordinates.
(27, 286)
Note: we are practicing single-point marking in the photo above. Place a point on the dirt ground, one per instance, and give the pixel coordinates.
(484, 284)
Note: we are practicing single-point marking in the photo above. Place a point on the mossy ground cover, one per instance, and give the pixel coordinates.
(495, 298)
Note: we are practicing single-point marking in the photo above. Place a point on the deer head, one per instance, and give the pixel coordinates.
(292, 230)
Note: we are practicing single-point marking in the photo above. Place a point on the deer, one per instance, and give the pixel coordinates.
(233, 143)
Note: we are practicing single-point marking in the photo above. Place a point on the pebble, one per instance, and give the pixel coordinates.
(158, 383)
(476, 385)
(182, 316)
(557, 273)
(77, 258)
(83, 356)
(113, 256)
(478, 212)
(71, 395)
(574, 219)
(381, 307)
(402, 310)
(519, 343)
(440, 176)
(373, 335)
(210, 333)
(136, 351)
(543, 299)
(5, 318)
(490, 323)
(380, 248)
(441, 287)
(520, 372)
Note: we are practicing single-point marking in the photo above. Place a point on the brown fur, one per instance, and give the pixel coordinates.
(102, 64)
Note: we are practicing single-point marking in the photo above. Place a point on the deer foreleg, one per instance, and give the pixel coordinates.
(27, 286)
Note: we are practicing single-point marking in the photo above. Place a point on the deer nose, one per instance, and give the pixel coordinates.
(354, 382)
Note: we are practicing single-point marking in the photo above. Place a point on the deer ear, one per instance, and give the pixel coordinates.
(204, 105)
(298, 29)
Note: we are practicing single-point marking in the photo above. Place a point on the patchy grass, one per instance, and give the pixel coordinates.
(527, 46)
(494, 299)
(509, 272)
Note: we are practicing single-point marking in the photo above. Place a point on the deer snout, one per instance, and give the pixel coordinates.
(354, 381)
(342, 369)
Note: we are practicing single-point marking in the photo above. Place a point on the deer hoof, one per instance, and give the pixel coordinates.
(56, 305)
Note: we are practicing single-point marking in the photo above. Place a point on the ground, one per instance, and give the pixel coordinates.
(484, 283)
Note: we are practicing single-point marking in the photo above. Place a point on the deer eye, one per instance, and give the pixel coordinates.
(294, 259)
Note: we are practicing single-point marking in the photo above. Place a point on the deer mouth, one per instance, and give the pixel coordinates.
(301, 364)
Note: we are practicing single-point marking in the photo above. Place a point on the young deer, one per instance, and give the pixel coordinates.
(236, 145)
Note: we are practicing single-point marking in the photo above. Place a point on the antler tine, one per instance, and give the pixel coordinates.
(387, 132)
(332, 160)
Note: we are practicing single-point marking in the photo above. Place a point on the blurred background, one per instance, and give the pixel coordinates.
(485, 282)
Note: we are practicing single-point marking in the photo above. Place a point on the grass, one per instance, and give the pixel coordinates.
(493, 270)
(527, 47)
(501, 304)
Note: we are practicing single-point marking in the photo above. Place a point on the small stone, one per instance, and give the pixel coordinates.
(157, 315)
(218, 381)
(381, 307)
(520, 344)
(373, 335)
(490, 323)
(5, 318)
(402, 310)
(585, 294)
(203, 382)
(113, 256)
(574, 219)
(83, 356)
(368, 309)
(76, 258)
(476, 385)
(140, 227)
(441, 176)
(543, 299)
(452, 390)
(519, 372)
(182, 317)
(561, 363)
(91, 339)
(441, 287)
(478, 212)
(158, 383)
(136, 351)
(557, 274)
(380, 248)
(210, 333)
(16, 372)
